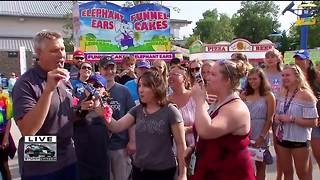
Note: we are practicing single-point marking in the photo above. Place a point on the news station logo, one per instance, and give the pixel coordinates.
(40, 148)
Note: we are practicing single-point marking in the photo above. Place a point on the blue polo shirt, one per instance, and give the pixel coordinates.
(59, 120)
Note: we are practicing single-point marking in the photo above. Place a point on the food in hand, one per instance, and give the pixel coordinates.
(107, 114)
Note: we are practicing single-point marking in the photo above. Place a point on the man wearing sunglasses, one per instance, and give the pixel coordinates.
(78, 57)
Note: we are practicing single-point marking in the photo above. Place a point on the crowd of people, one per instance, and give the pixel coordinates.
(179, 121)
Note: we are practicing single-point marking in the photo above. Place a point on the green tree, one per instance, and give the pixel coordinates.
(286, 43)
(214, 27)
(255, 20)
(134, 3)
(190, 40)
(68, 31)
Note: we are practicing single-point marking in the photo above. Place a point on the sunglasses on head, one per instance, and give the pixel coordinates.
(195, 69)
(79, 58)
(86, 67)
(223, 62)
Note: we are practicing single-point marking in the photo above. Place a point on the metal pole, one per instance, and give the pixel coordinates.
(304, 31)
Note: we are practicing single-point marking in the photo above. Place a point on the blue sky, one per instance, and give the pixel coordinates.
(192, 11)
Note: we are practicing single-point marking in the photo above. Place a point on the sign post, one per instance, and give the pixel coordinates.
(23, 60)
(76, 24)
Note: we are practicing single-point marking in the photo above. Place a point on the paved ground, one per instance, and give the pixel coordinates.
(271, 169)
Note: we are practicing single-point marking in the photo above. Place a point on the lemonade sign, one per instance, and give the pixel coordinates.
(107, 27)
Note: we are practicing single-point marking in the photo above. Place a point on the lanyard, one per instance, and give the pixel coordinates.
(286, 104)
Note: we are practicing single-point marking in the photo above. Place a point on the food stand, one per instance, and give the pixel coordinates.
(223, 50)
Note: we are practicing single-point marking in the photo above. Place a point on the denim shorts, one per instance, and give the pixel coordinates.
(315, 132)
(293, 145)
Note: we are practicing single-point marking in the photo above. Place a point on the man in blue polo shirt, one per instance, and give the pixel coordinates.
(42, 100)
(142, 66)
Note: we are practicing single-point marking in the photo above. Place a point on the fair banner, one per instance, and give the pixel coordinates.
(166, 56)
(107, 27)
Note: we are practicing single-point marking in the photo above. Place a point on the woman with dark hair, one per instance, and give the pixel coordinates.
(78, 84)
(261, 103)
(296, 114)
(302, 60)
(222, 148)
(156, 122)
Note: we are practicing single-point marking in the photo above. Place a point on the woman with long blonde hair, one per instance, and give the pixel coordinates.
(162, 67)
(296, 114)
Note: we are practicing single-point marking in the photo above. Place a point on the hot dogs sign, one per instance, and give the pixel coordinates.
(107, 27)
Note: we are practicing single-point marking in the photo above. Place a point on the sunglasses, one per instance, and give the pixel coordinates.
(86, 68)
(79, 58)
(223, 62)
(195, 69)
(97, 85)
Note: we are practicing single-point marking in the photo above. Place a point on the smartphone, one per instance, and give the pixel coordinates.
(199, 78)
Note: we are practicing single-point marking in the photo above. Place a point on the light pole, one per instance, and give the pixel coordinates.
(307, 10)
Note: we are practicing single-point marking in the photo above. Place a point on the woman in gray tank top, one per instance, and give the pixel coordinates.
(261, 104)
(273, 69)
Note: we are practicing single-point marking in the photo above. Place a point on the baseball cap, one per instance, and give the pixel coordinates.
(100, 80)
(106, 60)
(303, 54)
(175, 61)
(78, 53)
(143, 64)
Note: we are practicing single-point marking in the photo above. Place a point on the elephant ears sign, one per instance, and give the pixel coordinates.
(107, 27)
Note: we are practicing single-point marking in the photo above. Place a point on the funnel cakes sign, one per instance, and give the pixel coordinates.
(107, 27)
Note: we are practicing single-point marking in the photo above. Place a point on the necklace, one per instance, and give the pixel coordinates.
(145, 113)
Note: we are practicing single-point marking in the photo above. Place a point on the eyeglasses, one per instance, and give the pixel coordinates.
(86, 68)
(223, 62)
(79, 58)
(175, 74)
(195, 69)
